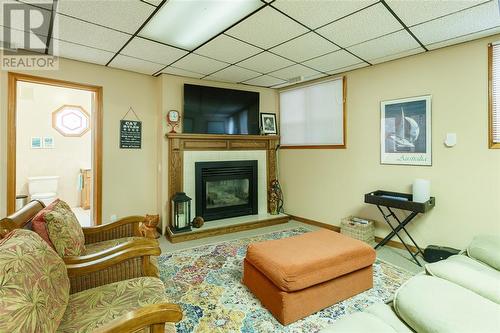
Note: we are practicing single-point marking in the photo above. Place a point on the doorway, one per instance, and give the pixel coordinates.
(55, 145)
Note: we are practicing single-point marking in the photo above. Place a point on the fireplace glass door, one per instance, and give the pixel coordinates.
(226, 189)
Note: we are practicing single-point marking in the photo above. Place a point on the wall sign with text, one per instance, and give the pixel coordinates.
(130, 134)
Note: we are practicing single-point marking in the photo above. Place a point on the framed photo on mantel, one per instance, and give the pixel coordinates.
(405, 131)
(268, 124)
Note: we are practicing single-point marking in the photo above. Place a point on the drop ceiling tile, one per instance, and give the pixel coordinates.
(233, 74)
(152, 51)
(398, 55)
(228, 49)
(135, 65)
(122, 15)
(348, 68)
(153, 2)
(47, 5)
(266, 28)
(305, 47)
(464, 38)
(265, 62)
(199, 64)
(264, 81)
(476, 19)
(182, 72)
(369, 23)
(385, 46)
(81, 53)
(79, 32)
(332, 61)
(415, 12)
(315, 13)
(294, 71)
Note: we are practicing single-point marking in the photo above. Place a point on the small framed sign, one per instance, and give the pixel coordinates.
(130, 134)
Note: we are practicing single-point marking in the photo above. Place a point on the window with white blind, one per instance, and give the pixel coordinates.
(494, 95)
(312, 116)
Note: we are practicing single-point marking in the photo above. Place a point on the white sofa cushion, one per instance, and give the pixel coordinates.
(430, 304)
(470, 274)
(486, 248)
(385, 313)
(359, 322)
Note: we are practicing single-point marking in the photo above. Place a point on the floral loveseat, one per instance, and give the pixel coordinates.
(35, 294)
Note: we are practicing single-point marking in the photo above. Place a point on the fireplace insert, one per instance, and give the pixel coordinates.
(226, 189)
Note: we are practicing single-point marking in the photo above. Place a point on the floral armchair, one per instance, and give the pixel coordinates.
(40, 293)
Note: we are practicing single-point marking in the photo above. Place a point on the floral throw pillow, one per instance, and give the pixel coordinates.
(34, 285)
(63, 230)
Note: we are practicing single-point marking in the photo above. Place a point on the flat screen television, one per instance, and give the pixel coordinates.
(211, 110)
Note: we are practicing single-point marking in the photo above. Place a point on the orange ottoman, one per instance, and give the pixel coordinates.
(298, 276)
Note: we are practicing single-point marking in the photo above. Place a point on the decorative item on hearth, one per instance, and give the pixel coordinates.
(173, 120)
(198, 222)
(148, 227)
(275, 198)
(181, 213)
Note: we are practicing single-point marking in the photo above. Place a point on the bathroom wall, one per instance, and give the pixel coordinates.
(35, 104)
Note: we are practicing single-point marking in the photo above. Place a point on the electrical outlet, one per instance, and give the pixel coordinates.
(113, 218)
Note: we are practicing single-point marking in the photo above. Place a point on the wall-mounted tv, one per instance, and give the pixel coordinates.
(211, 110)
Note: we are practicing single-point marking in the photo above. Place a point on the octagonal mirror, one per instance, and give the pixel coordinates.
(71, 120)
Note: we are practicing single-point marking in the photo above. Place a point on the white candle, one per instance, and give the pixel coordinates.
(421, 190)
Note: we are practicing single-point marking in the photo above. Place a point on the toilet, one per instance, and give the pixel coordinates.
(43, 189)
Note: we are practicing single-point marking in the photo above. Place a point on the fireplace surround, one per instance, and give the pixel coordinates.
(226, 189)
(183, 148)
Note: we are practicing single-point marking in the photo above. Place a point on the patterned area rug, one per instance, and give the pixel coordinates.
(206, 282)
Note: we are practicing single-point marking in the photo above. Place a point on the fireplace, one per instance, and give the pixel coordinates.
(226, 189)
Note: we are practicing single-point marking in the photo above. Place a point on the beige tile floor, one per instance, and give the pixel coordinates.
(395, 256)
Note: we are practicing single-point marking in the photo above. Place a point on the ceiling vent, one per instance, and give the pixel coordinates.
(295, 79)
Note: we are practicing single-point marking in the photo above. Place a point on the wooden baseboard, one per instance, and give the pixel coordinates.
(335, 228)
(187, 236)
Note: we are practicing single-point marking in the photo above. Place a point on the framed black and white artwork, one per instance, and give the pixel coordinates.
(406, 131)
(268, 123)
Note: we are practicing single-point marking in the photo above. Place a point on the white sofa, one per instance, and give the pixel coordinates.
(459, 294)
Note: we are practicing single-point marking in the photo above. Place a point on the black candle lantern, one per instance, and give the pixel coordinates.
(181, 212)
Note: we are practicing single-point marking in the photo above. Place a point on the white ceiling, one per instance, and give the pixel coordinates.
(281, 40)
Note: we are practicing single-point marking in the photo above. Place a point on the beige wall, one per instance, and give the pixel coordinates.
(171, 88)
(326, 185)
(129, 176)
(35, 104)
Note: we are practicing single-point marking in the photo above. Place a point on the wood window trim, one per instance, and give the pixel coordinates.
(491, 144)
(97, 130)
(344, 106)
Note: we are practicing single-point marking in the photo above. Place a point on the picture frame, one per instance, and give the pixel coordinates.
(268, 124)
(36, 142)
(48, 142)
(406, 132)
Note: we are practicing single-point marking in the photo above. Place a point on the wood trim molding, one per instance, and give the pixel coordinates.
(491, 144)
(97, 135)
(179, 142)
(335, 228)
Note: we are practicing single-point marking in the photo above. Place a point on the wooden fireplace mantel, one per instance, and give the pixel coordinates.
(180, 142)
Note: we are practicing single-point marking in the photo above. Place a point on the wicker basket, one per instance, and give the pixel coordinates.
(363, 232)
